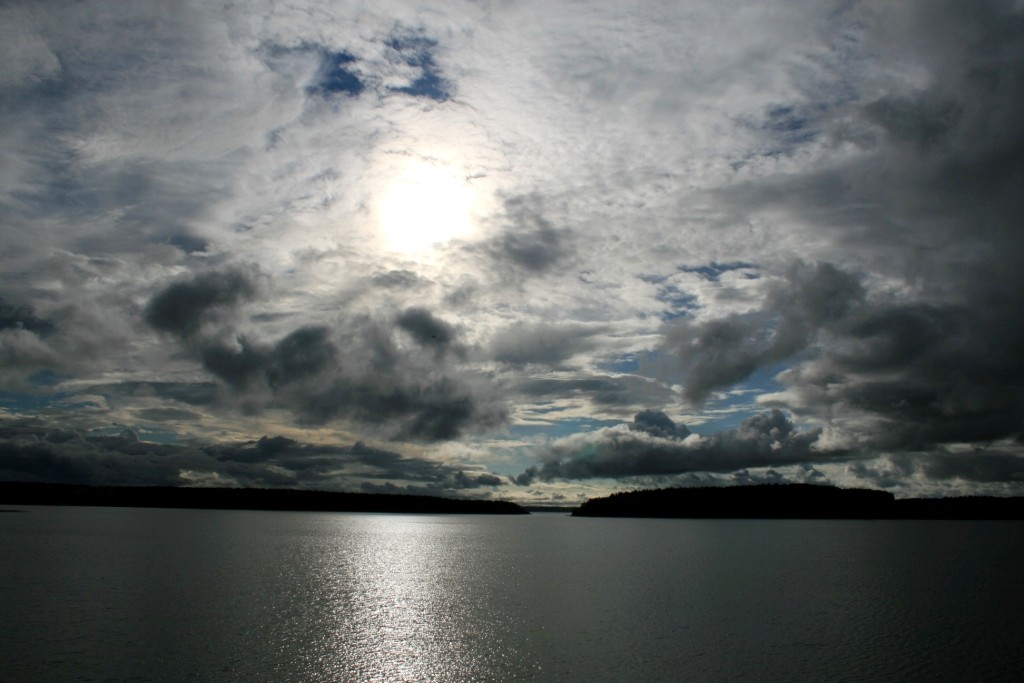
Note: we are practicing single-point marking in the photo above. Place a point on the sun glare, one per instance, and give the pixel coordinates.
(426, 204)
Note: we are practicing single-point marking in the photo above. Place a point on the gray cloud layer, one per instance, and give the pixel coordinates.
(710, 209)
(654, 446)
(34, 451)
(358, 372)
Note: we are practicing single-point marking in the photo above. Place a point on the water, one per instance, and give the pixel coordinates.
(105, 594)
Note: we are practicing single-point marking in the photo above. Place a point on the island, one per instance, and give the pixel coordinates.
(794, 501)
(22, 493)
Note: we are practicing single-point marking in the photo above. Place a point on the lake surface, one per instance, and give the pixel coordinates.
(113, 594)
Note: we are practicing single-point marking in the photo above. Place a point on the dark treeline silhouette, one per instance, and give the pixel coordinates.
(20, 493)
(794, 501)
(561, 509)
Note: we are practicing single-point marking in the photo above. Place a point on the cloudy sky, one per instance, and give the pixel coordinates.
(536, 251)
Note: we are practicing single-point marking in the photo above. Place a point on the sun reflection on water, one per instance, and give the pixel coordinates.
(402, 609)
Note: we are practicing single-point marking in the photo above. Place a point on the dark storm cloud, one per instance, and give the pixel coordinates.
(239, 366)
(426, 329)
(987, 467)
(183, 307)
(657, 423)
(321, 374)
(950, 369)
(762, 440)
(932, 200)
(978, 470)
(434, 410)
(23, 318)
(921, 122)
(316, 461)
(35, 451)
(357, 371)
(469, 481)
(937, 374)
(305, 352)
(723, 351)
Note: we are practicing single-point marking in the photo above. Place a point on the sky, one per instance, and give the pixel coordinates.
(532, 251)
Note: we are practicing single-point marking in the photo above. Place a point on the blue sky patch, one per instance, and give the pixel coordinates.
(742, 396)
(19, 402)
(628, 364)
(713, 271)
(335, 77)
(790, 127)
(46, 378)
(562, 428)
(680, 303)
(418, 51)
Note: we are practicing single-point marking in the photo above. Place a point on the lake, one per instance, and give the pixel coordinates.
(122, 594)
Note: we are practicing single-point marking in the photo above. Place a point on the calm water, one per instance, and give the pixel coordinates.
(96, 594)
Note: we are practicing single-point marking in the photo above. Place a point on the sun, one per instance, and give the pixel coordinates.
(426, 204)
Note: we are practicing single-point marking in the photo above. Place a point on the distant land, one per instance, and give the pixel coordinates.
(21, 493)
(794, 501)
(560, 509)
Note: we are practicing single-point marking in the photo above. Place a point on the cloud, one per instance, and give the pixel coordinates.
(600, 390)
(397, 279)
(925, 373)
(415, 52)
(918, 349)
(929, 206)
(547, 344)
(167, 415)
(944, 472)
(22, 354)
(720, 352)
(373, 382)
(656, 423)
(183, 307)
(196, 394)
(427, 330)
(23, 318)
(649, 448)
(320, 374)
(528, 242)
(937, 374)
(713, 209)
(35, 451)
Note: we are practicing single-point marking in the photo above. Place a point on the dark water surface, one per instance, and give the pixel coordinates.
(109, 594)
